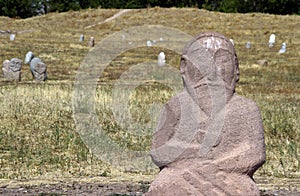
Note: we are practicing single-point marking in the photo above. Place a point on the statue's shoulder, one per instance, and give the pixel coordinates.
(177, 100)
(243, 104)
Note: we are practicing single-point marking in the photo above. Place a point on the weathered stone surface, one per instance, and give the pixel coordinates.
(37, 67)
(282, 49)
(6, 65)
(12, 37)
(272, 40)
(209, 140)
(92, 42)
(248, 45)
(81, 38)
(12, 69)
(40, 71)
(161, 59)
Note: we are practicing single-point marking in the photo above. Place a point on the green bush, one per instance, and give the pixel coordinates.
(28, 8)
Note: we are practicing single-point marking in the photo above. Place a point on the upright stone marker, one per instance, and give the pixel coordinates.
(12, 37)
(209, 140)
(272, 40)
(92, 42)
(37, 67)
(282, 49)
(248, 45)
(81, 38)
(149, 43)
(161, 59)
(12, 69)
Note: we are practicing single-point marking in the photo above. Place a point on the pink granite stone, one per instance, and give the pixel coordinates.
(209, 140)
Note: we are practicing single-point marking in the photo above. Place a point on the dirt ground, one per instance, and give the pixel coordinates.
(268, 187)
(79, 189)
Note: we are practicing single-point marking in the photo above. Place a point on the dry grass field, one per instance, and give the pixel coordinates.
(38, 138)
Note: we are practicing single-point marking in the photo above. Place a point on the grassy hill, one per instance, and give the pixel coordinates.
(37, 131)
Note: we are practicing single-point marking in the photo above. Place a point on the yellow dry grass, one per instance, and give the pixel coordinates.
(37, 131)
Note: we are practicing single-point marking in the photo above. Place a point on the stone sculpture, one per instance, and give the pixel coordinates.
(149, 43)
(81, 38)
(92, 42)
(272, 40)
(161, 59)
(12, 69)
(248, 45)
(12, 37)
(209, 140)
(37, 67)
(282, 49)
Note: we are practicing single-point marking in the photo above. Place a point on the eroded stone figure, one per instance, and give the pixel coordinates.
(92, 42)
(12, 69)
(37, 67)
(209, 140)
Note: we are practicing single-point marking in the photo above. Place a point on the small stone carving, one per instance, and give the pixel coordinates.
(37, 67)
(282, 49)
(12, 69)
(92, 42)
(81, 38)
(161, 59)
(149, 43)
(248, 45)
(12, 37)
(272, 40)
(209, 140)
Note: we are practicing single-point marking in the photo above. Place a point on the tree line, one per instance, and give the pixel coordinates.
(29, 8)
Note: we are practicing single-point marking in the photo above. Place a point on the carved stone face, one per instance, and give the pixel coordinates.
(207, 56)
(15, 64)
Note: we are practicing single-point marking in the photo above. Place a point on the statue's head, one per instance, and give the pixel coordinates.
(209, 55)
(29, 56)
(15, 64)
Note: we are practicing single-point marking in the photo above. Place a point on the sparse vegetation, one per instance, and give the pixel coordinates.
(37, 129)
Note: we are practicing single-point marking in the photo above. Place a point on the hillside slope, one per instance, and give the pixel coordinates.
(38, 137)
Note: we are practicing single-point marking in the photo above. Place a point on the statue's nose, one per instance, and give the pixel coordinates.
(213, 74)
